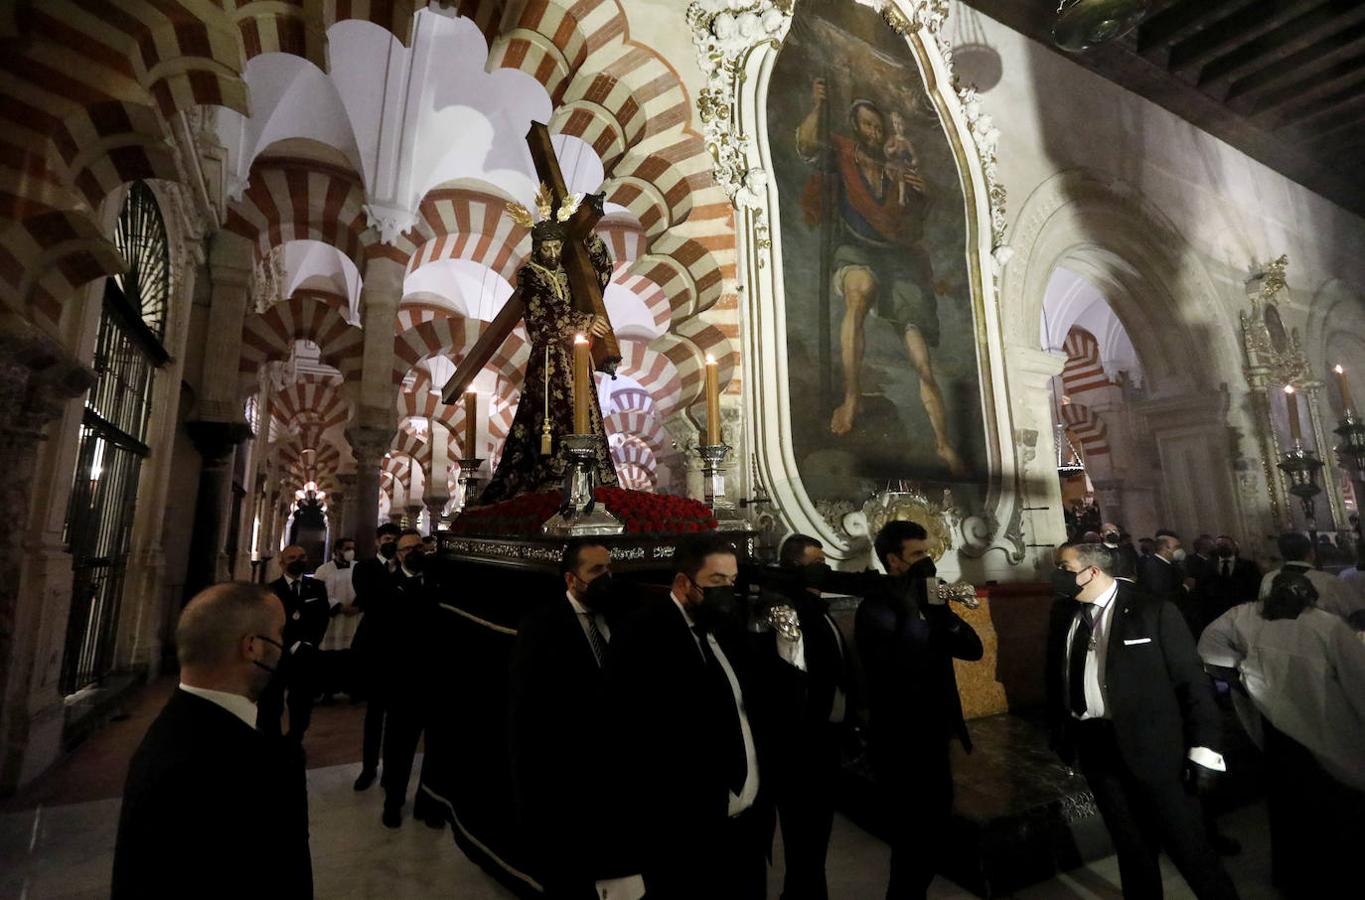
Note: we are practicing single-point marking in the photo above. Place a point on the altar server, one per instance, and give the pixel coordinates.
(1128, 698)
(335, 574)
(696, 700)
(559, 733)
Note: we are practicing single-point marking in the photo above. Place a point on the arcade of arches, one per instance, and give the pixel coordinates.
(243, 245)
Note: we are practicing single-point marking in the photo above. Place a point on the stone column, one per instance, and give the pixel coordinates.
(368, 445)
(216, 443)
(38, 379)
(348, 484)
(1037, 514)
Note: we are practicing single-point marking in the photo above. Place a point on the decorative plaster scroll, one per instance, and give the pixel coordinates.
(987, 138)
(390, 221)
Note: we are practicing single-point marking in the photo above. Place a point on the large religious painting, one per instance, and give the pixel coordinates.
(884, 378)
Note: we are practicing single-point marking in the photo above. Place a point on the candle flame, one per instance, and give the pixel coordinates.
(580, 339)
(710, 360)
(1289, 388)
(1339, 370)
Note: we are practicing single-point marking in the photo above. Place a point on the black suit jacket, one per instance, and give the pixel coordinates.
(401, 637)
(672, 742)
(1217, 593)
(1156, 691)
(908, 662)
(373, 583)
(559, 733)
(212, 808)
(305, 616)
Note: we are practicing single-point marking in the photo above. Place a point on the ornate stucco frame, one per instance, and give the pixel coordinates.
(737, 43)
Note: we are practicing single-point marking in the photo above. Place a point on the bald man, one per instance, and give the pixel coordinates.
(307, 611)
(213, 808)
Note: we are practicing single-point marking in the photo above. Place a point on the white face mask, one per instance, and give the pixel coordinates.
(348, 555)
(1178, 555)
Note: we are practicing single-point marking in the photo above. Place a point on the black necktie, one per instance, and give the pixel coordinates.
(1227, 568)
(298, 589)
(1080, 648)
(599, 646)
(727, 715)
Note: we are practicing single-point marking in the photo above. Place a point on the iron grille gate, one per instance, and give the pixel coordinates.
(99, 521)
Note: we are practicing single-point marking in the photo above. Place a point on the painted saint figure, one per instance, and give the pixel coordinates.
(551, 322)
(879, 261)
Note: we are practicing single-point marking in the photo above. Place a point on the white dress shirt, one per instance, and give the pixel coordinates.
(1334, 595)
(1096, 669)
(236, 704)
(1306, 675)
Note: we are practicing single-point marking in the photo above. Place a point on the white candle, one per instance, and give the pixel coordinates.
(1346, 401)
(1291, 400)
(581, 370)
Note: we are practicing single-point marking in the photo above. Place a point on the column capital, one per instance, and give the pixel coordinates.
(347, 481)
(369, 443)
(215, 440)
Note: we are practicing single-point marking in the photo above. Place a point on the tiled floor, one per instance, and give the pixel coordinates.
(57, 837)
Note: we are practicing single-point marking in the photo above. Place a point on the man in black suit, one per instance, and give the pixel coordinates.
(559, 729)
(1228, 581)
(810, 767)
(373, 582)
(212, 807)
(307, 612)
(1162, 575)
(1122, 545)
(907, 639)
(696, 700)
(1129, 699)
(402, 656)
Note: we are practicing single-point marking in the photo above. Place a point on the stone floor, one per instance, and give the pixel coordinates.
(57, 838)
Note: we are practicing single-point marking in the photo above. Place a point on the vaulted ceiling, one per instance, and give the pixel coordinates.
(1281, 80)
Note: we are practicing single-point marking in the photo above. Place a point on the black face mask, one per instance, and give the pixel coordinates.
(1064, 583)
(1111, 537)
(925, 568)
(815, 575)
(416, 561)
(719, 608)
(297, 567)
(602, 595)
(388, 551)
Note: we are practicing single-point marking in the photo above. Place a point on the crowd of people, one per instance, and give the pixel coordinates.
(658, 736)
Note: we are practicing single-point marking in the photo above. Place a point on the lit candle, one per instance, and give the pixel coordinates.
(581, 370)
(1345, 386)
(712, 401)
(471, 430)
(1291, 401)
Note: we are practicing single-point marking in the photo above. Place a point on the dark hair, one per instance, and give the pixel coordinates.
(342, 542)
(1290, 594)
(1097, 555)
(388, 528)
(864, 103)
(690, 554)
(409, 532)
(795, 547)
(569, 559)
(1203, 542)
(893, 536)
(1166, 532)
(1294, 546)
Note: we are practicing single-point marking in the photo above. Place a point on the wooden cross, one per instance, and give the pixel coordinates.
(583, 286)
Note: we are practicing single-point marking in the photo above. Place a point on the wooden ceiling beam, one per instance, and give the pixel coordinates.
(1245, 92)
(1294, 36)
(1189, 56)
(1180, 20)
(1345, 112)
(1280, 106)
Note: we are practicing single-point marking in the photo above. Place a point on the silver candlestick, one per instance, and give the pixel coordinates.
(581, 516)
(469, 480)
(713, 485)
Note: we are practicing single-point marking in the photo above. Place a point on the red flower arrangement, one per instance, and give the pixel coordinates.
(640, 512)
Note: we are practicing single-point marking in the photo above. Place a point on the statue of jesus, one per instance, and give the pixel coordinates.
(551, 323)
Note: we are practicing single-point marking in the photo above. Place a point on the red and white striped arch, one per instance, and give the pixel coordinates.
(655, 372)
(1084, 370)
(551, 39)
(454, 337)
(312, 399)
(1088, 427)
(45, 257)
(271, 335)
(464, 224)
(407, 442)
(302, 200)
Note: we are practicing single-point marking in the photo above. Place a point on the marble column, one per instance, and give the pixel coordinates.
(348, 484)
(368, 446)
(216, 443)
(438, 479)
(38, 379)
